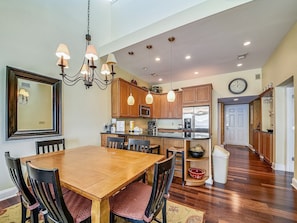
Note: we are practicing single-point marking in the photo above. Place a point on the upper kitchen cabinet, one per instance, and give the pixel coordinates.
(171, 109)
(156, 106)
(120, 91)
(197, 95)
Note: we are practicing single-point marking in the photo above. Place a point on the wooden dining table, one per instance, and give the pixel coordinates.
(96, 172)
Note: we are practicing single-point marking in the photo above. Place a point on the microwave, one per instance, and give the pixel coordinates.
(144, 111)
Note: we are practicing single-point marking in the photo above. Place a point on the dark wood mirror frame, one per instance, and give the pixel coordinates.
(12, 76)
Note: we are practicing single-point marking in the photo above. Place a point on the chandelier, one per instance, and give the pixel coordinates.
(87, 72)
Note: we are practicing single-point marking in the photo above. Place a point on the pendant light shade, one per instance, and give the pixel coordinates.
(149, 98)
(131, 100)
(171, 96)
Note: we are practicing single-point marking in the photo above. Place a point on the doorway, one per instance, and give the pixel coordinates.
(236, 129)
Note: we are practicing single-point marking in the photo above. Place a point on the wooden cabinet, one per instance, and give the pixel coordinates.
(171, 109)
(197, 95)
(120, 91)
(267, 145)
(202, 163)
(156, 106)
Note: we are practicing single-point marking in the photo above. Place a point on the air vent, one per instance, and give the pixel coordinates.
(257, 76)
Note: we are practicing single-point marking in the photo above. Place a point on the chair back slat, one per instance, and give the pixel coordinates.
(115, 142)
(139, 145)
(50, 146)
(47, 189)
(163, 175)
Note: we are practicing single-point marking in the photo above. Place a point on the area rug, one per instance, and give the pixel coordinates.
(176, 213)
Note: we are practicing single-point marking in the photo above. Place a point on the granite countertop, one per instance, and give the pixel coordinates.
(176, 135)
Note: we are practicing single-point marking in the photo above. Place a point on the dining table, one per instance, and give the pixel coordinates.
(96, 172)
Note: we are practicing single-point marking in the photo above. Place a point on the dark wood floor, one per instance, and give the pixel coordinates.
(253, 193)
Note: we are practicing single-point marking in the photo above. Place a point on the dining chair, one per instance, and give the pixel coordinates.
(139, 145)
(50, 146)
(68, 208)
(140, 202)
(115, 142)
(28, 201)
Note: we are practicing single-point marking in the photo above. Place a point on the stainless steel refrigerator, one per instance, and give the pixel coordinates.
(196, 119)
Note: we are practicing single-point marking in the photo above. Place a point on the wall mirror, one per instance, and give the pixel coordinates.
(33, 105)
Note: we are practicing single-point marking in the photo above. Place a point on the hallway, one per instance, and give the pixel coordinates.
(253, 193)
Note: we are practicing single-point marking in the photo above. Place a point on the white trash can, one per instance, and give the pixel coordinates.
(220, 159)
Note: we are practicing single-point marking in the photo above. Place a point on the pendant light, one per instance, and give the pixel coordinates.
(149, 97)
(130, 99)
(171, 94)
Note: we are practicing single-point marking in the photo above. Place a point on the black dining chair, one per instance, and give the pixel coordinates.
(139, 145)
(68, 208)
(115, 142)
(50, 146)
(28, 201)
(140, 202)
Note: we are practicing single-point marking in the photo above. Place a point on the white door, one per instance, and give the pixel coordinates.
(290, 129)
(236, 124)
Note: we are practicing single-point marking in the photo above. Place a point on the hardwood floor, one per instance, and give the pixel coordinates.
(253, 193)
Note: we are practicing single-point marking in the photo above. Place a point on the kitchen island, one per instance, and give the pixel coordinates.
(177, 139)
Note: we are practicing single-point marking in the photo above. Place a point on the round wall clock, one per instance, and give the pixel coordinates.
(237, 86)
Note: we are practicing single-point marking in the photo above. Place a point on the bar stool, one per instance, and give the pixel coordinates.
(179, 160)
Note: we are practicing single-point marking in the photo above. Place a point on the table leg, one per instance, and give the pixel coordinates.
(100, 211)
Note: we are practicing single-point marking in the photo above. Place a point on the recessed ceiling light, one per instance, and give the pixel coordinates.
(157, 59)
(247, 43)
(235, 99)
(239, 64)
(196, 72)
(188, 57)
(160, 79)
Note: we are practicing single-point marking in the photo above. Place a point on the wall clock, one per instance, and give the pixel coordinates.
(237, 86)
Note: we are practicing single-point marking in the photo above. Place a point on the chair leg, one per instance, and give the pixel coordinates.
(164, 213)
(111, 217)
(24, 213)
(34, 215)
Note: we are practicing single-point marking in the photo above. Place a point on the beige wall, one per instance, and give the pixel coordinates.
(280, 67)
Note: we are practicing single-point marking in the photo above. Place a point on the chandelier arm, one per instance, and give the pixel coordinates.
(101, 85)
(71, 82)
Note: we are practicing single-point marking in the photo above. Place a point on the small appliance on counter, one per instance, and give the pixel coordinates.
(151, 127)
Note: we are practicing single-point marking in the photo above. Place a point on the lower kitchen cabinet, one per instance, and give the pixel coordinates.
(263, 145)
(267, 145)
(201, 163)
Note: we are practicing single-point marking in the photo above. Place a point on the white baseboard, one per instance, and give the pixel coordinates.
(8, 193)
(294, 183)
(278, 166)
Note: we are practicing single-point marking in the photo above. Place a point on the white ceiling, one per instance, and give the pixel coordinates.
(213, 43)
